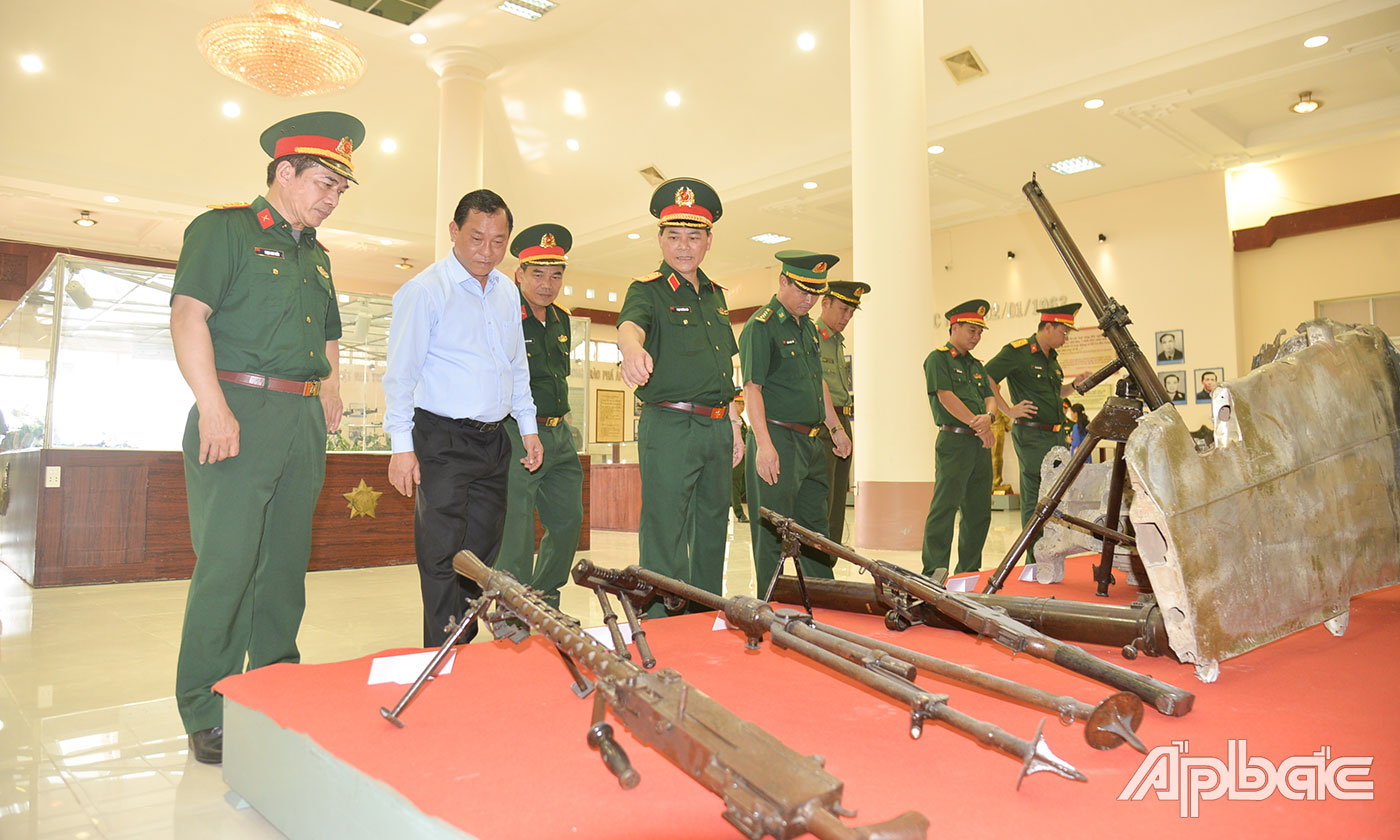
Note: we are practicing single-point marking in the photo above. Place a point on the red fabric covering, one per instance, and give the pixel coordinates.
(498, 746)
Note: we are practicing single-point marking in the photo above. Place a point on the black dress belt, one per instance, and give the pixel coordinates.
(958, 430)
(1044, 427)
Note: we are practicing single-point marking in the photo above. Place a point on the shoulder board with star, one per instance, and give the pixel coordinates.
(647, 278)
(1020, 342)
(234, 205)
(763, 315)
(943, 349)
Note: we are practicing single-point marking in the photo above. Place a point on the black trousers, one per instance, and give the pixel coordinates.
(461, 504)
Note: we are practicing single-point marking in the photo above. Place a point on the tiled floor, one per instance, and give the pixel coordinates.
(91, 745)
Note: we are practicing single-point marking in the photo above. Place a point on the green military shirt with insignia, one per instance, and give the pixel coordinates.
(273, 297)
(1033, 373)
(834, 371)
(687, 334)
(947, 369)
(781, 353)
(547, 348)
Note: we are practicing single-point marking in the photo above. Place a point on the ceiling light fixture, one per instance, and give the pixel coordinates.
(388, 145)
(386, 242)
(569, 290)
(231, 109)
(527, 9)
(1011, 255)
(634, 236)
(418, 38)
(1316, 41)
(612, 297)
(110, 199)
(1070, 166)
(1102, 238)
(84, 219)
(935, 150)
(31, 63)
(673, 98)
(403, 264)
(806, 42)
(770, 238)
(572, 144)
(589, 293)
(282, 48)
(1305, 104)
(1093, 104)
(809, 185)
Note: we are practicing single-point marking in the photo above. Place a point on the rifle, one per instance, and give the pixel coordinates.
(768, 789)
(889, 669)
(911, 587)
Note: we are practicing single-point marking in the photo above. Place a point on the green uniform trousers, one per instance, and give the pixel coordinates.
(250, 525)
(686, 462)
(1032, 445)
(962, 484)
(838, 479)
(801, 493)
(556, 491)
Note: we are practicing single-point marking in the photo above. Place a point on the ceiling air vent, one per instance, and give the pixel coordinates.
(652, 175)
(964, 65)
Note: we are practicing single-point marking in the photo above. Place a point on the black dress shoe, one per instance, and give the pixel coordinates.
(207, 745)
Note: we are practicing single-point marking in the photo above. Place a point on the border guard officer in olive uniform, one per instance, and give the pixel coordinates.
(677, 349)
(1031, 370)
(256, 329)
(964, 400)
(555, 489)
(780, 358)
(838, 307)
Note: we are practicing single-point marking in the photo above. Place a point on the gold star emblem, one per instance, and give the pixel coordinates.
(363, 500)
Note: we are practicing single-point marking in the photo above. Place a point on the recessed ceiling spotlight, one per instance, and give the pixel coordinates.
(1093, 104)
(935, 150)
(634, 236)
(1316, 41)
(31, 63)
(806, 42)
(1305, 104)
(84, 219)
(1069, 166)
(569, 290)
(673, 98)
(573, 104)
(770, 238)
(418, 38)
(612, 297)
(231, 109)
(388, 145)
(403, 264)
(572, 144)
(809, 185)
(589, 293)
(110, 199)
(386, 242)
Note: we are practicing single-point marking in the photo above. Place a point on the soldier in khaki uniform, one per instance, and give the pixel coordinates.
(1031, 369)
(677, 346)
(555, 489)
(838, 307)
(256, 330)
(964, 400)
(788, 402)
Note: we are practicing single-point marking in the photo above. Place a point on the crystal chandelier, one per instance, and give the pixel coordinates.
(281, 48)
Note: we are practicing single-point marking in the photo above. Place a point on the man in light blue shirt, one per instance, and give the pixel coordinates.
(457, 367)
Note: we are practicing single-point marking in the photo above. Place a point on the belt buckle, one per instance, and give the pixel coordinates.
(717, 412)
(311, 389)
(814, 431)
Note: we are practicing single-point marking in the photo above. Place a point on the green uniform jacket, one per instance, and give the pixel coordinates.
(687, 334)
(547, 349)
(946, 369)
(273, 297)
(780, 353)
(1032, 373)
(834, 371)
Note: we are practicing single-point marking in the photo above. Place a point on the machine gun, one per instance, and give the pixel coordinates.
(889, 669)
(767, 788)
(902, 588)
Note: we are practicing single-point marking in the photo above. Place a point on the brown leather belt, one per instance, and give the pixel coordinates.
(714, 413)
(310, 388)
(805, 431)
(846, 410)
(549, 421)
(959, 430)
(1044, 427)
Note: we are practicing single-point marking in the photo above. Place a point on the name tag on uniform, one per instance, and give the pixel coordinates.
(529, 341)
(268, 252)
(789, 341)
(680, 309)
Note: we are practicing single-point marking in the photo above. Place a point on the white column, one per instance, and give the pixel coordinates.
(462, 73)
(890, 201)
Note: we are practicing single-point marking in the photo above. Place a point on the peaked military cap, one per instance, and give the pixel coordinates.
(1060, 314)
(807, 270)
(848, 291)
(686, 202)
(542, 244)
(329, 136)
(969, 312)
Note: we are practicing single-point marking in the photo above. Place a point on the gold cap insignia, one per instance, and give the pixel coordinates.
(345, 146)
(547, 241)
(981, 310)
(858, 292)
(685, 197)
(819, 267)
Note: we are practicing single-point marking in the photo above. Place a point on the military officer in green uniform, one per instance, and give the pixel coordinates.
(677, 349)
(780, 359)
(256, 329)
(964, 400)
(555, 489)
(840, 303)
(1031, 369)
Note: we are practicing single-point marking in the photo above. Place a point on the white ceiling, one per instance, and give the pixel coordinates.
(126, 106)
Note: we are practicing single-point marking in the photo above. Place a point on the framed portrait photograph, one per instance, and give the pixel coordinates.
(1204, 381)
(1171, 347)
(1173, 381)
